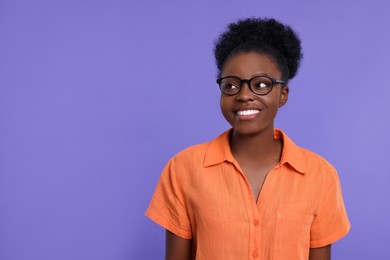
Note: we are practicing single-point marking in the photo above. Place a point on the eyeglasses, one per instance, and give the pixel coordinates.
(260, 85)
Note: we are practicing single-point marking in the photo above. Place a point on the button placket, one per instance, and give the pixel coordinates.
(255, 254)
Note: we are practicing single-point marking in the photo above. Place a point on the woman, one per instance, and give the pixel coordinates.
(251, 193)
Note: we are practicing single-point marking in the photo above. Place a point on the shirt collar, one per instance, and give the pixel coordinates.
(219, 151)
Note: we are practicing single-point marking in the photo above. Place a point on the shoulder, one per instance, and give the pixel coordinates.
(315, 161)
(192, 153)
(304, 160)
(205, 153)
(319, 172)
(185, 167)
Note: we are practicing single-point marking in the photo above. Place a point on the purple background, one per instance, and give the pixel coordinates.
(96, 96)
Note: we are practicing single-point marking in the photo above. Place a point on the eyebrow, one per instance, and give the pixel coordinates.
(255, 75)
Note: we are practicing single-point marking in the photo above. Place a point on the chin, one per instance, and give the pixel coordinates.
(246, 132)
(252, 130)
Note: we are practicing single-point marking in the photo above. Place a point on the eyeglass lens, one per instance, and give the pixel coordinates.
(259, 85)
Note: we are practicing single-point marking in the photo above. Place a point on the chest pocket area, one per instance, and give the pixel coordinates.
(292, 235)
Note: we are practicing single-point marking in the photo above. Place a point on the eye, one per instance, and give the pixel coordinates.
(261, 83)
(229, 85)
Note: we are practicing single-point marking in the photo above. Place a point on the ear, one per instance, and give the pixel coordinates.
(283, 96)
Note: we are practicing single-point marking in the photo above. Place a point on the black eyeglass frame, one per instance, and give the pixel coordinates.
(248, 81)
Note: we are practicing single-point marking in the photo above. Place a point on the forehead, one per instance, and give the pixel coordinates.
(249, 64)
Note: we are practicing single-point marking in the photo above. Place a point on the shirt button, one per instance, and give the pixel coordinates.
(256, 222)
(255, 254)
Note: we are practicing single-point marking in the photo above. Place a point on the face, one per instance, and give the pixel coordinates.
(248, 113)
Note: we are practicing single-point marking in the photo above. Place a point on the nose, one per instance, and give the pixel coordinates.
(246, 93)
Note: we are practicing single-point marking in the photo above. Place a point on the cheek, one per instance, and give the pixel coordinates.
(274, 100)
(222, 104)
(225, 107)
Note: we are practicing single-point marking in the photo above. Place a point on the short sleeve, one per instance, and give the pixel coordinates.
(167, 207)
(331, 221)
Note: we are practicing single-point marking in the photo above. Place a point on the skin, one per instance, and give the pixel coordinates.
(322, 253)
(252, 142)
(177, 248)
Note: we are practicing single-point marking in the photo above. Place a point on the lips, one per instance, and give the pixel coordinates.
(248, 112)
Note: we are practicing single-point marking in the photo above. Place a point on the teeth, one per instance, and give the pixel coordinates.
(247, 112)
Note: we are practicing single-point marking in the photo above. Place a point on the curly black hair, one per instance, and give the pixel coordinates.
(265, 36)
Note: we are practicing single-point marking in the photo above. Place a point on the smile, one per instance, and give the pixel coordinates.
(247, 112)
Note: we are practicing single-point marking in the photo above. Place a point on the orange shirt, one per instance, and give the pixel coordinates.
(203, 195)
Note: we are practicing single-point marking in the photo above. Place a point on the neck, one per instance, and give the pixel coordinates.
(260, 147)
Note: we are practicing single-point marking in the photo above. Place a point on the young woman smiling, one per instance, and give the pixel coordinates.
(251, 193)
